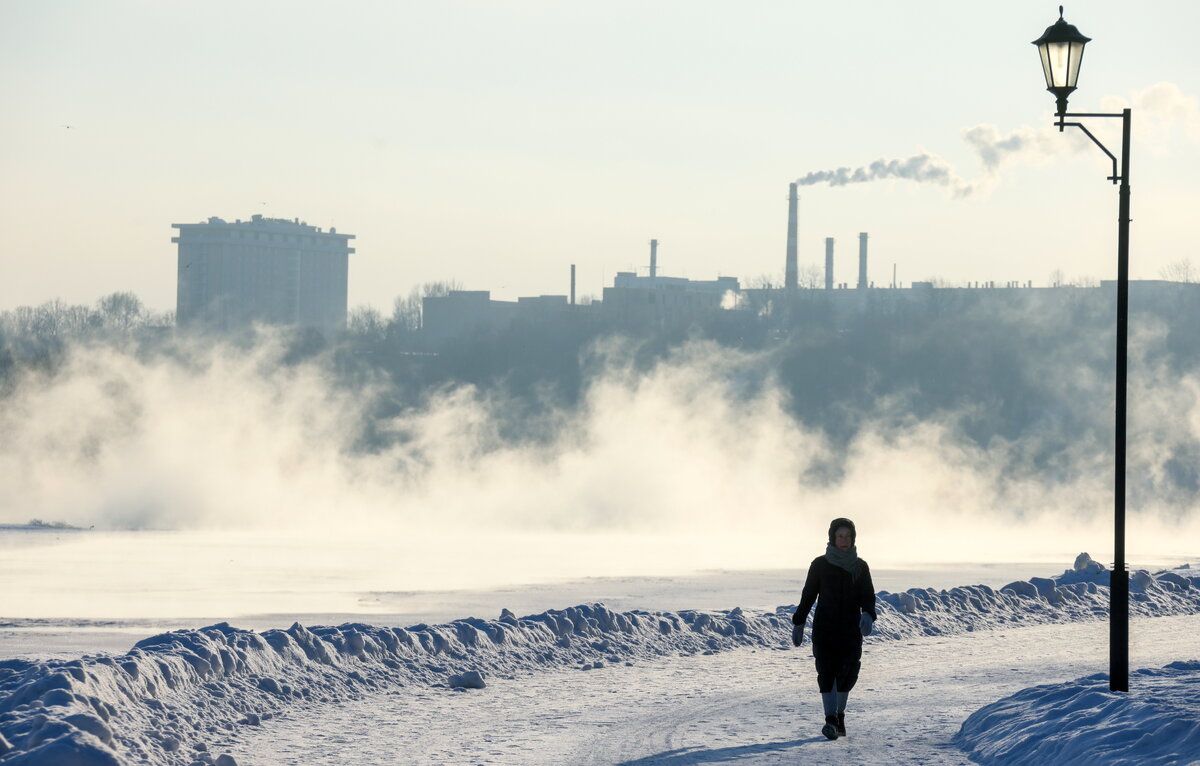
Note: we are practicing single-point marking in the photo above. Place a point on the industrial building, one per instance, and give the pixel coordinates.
(632, 302)
(635, 301)
(657, 301)
(466, 314)
(271, 271)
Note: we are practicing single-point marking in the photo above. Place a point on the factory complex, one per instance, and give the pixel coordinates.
(283, 272)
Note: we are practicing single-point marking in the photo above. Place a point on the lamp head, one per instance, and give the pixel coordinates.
(1061, 49)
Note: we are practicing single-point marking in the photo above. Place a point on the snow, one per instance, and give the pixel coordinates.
(181, 691)
(746, 706)
(1082, 722)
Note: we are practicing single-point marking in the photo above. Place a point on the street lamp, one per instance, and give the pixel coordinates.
(1061, 49)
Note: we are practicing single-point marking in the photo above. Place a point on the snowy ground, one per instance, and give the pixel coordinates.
(752, 706)
(591, 684)
(1081, 721)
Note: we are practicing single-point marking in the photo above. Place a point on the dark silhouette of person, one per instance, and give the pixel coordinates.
(839, 582)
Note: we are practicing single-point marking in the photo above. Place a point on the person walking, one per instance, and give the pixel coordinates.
(839, 582)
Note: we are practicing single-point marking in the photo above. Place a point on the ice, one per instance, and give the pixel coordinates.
(183, 692)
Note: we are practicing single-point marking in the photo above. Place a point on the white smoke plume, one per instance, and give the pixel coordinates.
(993, 149)
(922, 168)
(1023, 143)
(1159, 109)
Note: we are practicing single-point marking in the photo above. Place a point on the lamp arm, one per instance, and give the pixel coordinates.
(1115, 178)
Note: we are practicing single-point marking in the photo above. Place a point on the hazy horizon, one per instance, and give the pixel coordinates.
(498, 143)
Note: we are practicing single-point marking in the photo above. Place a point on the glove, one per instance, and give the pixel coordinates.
(797, 635)
(866, 624)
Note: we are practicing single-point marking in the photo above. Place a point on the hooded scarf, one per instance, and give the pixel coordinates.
(847, 559)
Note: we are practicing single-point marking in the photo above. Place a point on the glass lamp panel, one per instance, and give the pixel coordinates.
(1059, 57)
(1044, 49)
(1075, 58)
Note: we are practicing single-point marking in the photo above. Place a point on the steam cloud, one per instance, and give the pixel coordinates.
(685, 453)
(1159, 110)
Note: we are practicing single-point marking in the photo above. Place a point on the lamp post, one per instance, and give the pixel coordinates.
(1061, 49)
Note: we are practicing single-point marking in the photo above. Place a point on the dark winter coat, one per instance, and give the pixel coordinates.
(841, 599)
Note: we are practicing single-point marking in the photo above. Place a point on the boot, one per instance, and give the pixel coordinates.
(829, 702)
(842, 697)
(830, 729)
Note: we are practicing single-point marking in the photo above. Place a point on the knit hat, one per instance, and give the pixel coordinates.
(837, 524)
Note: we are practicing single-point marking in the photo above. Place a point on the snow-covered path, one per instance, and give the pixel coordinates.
(744, 706)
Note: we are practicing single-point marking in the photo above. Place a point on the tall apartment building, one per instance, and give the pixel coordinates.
(265, 270)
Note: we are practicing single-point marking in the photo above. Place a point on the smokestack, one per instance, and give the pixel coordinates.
(572, 284)
(862, 261)
(791, 270)
(653, 258)
(829, 263)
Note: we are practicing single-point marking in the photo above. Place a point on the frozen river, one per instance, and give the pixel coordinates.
(63, 593)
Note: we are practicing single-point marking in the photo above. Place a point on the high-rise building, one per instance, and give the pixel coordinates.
(265, 270)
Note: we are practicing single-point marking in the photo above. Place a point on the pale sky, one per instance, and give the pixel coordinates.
(496, 142)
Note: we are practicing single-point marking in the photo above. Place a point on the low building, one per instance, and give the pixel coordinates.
(464, 314)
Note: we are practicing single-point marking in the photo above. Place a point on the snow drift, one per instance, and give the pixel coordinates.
(178, 697)
(1082, 722)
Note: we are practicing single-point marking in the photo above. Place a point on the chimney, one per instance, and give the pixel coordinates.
(572, 284)
(653, 258)
(791, 271)
(829, 263)
(862, 261)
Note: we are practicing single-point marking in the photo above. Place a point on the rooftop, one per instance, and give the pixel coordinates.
(262, 223)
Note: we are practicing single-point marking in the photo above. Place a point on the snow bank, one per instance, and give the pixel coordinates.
(181, 691)
(1079, 593)
(179, 697)
(1082, 722)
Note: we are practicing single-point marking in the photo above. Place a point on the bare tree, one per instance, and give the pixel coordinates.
(810, 276)
(406, 310)
(1057, 278)
(366, 322)
(440, 288)
(79, 319)
(52, 319)
(49, 320)
(763, 282)
(1180, 271)
(159, 319)
(120, 311)
(406, 313)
